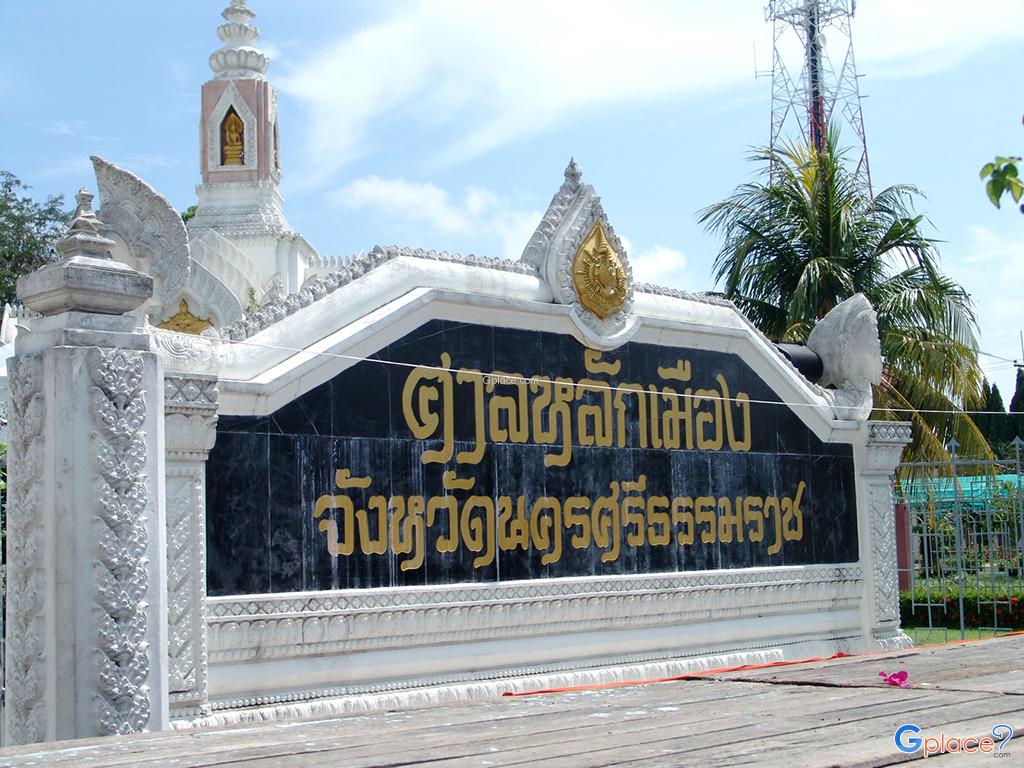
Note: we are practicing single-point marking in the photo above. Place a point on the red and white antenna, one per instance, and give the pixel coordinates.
(809, 93)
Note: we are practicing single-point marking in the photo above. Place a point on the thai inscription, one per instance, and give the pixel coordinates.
(469, 453)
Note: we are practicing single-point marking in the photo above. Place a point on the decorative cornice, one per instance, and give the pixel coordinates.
(191, 394)
(190, 408)
(267, 605)
(885, 443)
(675, 293)
(293, 625)
(255, 211)
(278, 307)
(313, 633)
(883, 432)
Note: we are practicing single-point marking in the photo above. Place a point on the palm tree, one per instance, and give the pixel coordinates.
(810, 236)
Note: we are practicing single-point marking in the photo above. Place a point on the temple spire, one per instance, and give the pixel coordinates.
(240, 159)
(238, 58)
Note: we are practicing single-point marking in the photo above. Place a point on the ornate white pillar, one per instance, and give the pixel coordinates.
(190, 408)
(86, 642)
(882, 451)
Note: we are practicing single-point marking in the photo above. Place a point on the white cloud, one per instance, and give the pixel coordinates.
(408, 200)
(479, 212)
(660, 265)
(493, 73)
(918, 37)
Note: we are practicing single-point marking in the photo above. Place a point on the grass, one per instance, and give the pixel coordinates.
(926, 635)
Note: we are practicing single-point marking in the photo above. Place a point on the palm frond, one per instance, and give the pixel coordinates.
(808, 236)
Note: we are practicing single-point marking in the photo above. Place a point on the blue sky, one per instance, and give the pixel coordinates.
(447, 124)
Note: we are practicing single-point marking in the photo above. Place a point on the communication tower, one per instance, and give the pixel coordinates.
(809, 93)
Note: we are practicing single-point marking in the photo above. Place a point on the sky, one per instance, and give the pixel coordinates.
(447, 124)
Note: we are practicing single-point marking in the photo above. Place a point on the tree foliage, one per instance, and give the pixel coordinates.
(995, 424)
(1017, 408)
(27, 229)
(1001, 177)
(806, 236)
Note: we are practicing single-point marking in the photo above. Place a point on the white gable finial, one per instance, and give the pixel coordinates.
(238, 58)
(573, 174)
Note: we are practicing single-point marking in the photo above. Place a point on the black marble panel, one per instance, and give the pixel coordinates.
(468, 453)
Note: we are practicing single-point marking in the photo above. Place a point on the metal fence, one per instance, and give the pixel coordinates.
(960, 545)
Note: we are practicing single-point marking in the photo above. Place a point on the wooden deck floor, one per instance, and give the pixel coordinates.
(815, 714)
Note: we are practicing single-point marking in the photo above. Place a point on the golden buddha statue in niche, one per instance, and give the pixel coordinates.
(232, 139)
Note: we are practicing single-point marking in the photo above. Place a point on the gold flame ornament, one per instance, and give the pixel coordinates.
(185, 321)
(599, 275)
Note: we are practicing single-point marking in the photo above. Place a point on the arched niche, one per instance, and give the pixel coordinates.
(230, 100)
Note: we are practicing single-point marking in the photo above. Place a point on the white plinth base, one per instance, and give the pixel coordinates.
(433, 695)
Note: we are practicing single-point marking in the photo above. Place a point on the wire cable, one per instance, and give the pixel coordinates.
(543, 381)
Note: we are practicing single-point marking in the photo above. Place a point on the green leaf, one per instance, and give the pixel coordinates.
(1016, 188)
(986, 170)
(995, 190)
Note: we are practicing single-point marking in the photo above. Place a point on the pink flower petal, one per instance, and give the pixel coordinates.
(896, 678)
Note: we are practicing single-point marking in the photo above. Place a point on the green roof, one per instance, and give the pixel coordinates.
(973, 488)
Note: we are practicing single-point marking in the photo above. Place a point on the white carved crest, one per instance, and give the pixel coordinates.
(147, 224)
(569, 220)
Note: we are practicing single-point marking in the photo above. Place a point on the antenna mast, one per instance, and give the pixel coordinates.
(809, 94)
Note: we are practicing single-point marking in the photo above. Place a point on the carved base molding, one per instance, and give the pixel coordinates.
(432, 691)
(892, 639)
(300, 654)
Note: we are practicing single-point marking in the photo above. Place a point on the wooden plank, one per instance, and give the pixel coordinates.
(580, 739)
(416, 722)
(861, 738)
(544, 718)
